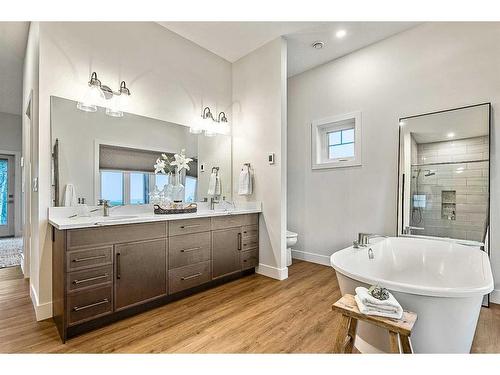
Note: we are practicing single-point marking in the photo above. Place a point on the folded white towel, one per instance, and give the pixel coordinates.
(69, 196)
(245, 185)
(370, 305)
(212, 184)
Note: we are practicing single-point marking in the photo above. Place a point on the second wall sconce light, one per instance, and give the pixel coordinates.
(210, 126)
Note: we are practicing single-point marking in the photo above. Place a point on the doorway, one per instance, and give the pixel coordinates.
(10, 246)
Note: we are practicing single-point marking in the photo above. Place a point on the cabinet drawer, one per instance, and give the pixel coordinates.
(231, 221)
(188, 249)
(250, 231)
(248, 243)
(249, 259)
(89, 304)
(89, 258)
(188, 277)
(187, 226)
(88, 278)
(113, 234)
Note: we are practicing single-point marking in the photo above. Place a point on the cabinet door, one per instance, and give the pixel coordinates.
(226, 247)
(140, 272)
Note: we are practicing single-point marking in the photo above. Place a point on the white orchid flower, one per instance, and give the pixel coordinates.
(181, 162)
(159, 166)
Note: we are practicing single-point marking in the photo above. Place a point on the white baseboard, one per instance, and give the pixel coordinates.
(273, 272)
(311, 257)
(42, 311)
(495, 296)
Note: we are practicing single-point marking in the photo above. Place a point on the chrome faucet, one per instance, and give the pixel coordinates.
(105, 206)
(364, 238)
(213, 201)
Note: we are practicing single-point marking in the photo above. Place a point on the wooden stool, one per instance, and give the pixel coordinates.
(350, 315)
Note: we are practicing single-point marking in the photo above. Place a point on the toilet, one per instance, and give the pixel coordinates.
(291, 239)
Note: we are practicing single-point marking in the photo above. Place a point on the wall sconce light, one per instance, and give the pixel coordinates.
(208, 125)
(97, 91)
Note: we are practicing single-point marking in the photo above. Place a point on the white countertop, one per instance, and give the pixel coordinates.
(59, 217)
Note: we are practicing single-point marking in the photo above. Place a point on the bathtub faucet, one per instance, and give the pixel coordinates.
(364, 238)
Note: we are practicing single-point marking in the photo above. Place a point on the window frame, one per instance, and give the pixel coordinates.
(320, 143)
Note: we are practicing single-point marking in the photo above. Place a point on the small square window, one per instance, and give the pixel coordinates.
(336, 141)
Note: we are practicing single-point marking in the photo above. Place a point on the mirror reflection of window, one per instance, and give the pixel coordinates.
(190, 189)
(112, 187)
(139, 188)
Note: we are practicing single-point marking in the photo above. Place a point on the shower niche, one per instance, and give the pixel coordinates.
(448, 204)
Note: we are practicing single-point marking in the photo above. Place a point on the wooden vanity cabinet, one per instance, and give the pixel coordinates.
(226, 248)
(103, 274)
(235, 244)
(140, 272)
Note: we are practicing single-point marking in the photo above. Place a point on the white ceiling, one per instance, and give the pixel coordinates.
(463, 123)
(13, 39)
(233, 40)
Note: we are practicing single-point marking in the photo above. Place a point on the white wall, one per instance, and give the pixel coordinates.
(30, 155)
(431, 67)
(259, 127)
(169, 77)
(11, 130)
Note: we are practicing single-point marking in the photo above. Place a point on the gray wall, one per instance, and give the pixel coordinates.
(433, 66)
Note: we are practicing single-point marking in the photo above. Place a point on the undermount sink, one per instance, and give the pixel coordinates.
(115, 218)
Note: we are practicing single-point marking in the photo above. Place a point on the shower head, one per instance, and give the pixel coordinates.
(429, 173)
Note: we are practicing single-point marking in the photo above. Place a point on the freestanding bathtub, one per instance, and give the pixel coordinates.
(442, 281)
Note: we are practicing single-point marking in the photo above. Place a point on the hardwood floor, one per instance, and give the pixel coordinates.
(251, 315)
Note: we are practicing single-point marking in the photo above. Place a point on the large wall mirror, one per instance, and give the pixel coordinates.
(444, 174)
(112, 158)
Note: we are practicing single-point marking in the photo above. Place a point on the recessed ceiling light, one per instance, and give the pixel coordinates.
(450, 135)
(318, 45)
(340, 33)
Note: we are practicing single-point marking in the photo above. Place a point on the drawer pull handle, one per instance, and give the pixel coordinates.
(77, 260)
(76, 282)
(80, 308)
(191, 276)
(190, 226)
(191, 249)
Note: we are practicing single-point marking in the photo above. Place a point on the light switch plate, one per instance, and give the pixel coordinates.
(270, 158)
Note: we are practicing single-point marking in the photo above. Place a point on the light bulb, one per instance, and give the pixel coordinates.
(114, 109)
(197, 126)
(92, 97)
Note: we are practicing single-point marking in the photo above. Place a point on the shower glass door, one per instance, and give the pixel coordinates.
(444, 174)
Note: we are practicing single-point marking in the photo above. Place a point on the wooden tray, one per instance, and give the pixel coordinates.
(172, 211)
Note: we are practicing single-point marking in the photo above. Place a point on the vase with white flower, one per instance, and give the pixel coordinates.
(174, 191)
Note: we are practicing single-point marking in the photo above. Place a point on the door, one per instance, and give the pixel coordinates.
(140, 272)
(226, 247)
(6, 195)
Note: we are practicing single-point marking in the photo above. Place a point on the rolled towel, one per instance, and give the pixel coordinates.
(370, 305)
